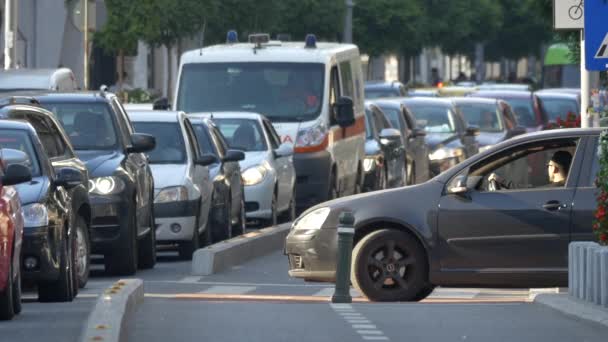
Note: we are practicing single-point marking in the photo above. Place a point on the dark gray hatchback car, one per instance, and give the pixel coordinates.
(491, 221)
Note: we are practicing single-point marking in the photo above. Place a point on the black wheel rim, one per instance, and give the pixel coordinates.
(390, 267)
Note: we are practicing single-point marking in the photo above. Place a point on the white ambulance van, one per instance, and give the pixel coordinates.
(312, 92)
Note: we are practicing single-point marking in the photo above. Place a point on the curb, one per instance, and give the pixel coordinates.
(238, 250)
(107, 321)
(574, 307)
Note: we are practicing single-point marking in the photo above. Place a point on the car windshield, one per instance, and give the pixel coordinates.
(435, 119)
(204, 139)
(13, 139)
(170, 146)
(90, 126)
(486, 116)
(242, 134)
(393, 116)
(524, 111)
(283, 91)
(378, 93)
(560, 108)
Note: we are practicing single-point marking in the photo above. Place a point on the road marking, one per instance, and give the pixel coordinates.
(364, 326)
(236, 284)
(369, 332)
(453, 294)
(232, 290)
(189, 280)
(375, 338)
(329, 291)
(359, 323)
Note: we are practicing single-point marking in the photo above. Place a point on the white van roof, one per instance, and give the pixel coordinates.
(274, 51)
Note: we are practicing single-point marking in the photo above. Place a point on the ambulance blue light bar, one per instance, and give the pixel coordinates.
(232, 37)
(311, 41)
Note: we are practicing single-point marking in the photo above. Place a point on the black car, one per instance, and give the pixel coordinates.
(483, 223)
(450, 138)
(495, 119)
(384, 165)
(61, 155)
(416, 148)
(228, 199)
(375, 89)
(526, 105)
(49, 238)
(121, 188)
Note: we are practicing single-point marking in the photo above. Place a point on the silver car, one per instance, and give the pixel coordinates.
(267, 171)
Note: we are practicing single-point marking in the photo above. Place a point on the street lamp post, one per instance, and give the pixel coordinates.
(348, 22)
(8, 34)
(86, 44)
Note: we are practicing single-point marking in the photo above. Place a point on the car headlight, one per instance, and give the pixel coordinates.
(172, 194)
(446, 153)
(106, 185)
(35, 215)
(369, 164)
(313, 220)
(312, 136)
(256, 174)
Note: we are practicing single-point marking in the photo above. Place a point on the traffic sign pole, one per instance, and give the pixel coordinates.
(585, 88)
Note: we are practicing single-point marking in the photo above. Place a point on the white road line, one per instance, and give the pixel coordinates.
(329, 291)
(235, 290)
(350, 314)
(375, 338)
(189, 280)
(440, 293)
(340, 306)
(235, 284)
(369, 332)
(358, 321)
(364, 326)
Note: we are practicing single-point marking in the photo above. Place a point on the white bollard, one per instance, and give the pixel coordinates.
(604, 276)
(571, 282)
(580, 274)
(596, 274)
(589, 268)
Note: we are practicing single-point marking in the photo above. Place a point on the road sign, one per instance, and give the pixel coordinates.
(568, 14)
(596, 35)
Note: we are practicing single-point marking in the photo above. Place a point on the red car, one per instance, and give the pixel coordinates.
(11, 231)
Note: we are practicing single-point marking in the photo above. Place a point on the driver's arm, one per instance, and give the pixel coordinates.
(504, 184)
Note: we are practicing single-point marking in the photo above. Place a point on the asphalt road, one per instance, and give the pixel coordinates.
(258, 301)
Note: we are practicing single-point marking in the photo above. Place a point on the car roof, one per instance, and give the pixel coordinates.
(77, 96)
(381, 85)
(428, 100)
(474, 100)
(393, 102)
(274, 51)
(560, 90)
(28, 78)
(154, 116)
(16, 124)
(557, 95)
(229, 115)
(200, 117)
(502, 93)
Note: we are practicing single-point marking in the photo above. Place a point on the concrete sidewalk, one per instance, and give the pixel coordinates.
(574, 307)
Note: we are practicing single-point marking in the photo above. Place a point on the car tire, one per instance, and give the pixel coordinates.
(399, 275)
(220, 229)
(187, 248)
(292, 213)
(425, 292)
(206, 238)
(147, 246)
(239, 228)
(61, 289)
(17, 294)
(122, 261)
(273, 220)
(82, 260)
(332, 191)
(7, 307)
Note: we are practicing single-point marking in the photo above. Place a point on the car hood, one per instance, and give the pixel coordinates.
(490, 138)
(101, 163)
(33, 191)
(253, 159)
(371, 147)
(437, 140)
(167, 175)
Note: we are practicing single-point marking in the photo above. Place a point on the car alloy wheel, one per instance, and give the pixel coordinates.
(389, 265)
(83, 255)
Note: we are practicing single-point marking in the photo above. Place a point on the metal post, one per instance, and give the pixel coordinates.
(8, 34)
(346, 232)
(585, 91)
(86, 45)
(348, 22)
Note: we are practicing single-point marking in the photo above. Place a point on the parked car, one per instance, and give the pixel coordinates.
(228, 198)
(267, 171)
(182, 187)
(463, 228)
(49, 240)
(375, 89)
(61, 79)
(423, 93)
(413, 136)
(504, 86)
(526, 105)
(385, 161)
(495, 119)
(558, 105)
(450, 139)
(11, 219)
(576, 91)
(121, 188)
(62, 159)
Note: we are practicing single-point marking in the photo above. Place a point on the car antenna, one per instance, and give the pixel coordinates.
(203, 36)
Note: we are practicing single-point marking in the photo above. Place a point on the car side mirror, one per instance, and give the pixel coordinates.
(285, 150)
(69, 177)
(207, 159)
(234, 156)
(460, 187)
(161, 104)
(418, 132)
(345, 112)
(141, 143)
(390, 136)
(15, 174)
(472, 131)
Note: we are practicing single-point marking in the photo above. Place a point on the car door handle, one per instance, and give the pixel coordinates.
(554, 205)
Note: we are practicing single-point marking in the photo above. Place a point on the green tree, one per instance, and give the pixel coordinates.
(324, 18)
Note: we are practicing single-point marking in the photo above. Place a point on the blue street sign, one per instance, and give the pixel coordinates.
(596, 35)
